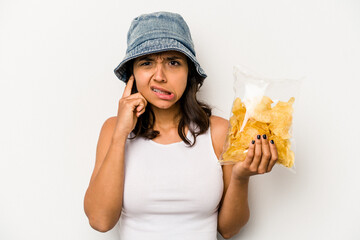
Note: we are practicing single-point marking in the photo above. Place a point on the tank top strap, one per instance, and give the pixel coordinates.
(206, 140)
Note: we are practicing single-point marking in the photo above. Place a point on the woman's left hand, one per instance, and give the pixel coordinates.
(260, 158)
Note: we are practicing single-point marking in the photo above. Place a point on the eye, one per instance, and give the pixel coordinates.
(145, 64)
(175, 63)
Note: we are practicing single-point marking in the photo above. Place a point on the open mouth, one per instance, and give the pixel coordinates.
(163, 94)
(161, 91)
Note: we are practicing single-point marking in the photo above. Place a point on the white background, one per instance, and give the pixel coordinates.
(58, 87)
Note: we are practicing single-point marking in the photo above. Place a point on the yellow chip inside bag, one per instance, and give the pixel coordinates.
(275, 122)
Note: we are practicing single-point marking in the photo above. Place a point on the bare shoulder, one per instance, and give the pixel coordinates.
(219, 124)
(219, 127)
(111, 121)
(107, 129)
(103, 143)
(106, 133)
(219, 130)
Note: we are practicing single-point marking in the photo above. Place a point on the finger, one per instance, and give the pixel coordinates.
(140, 112)
(266, 155)
(138, 105)
(257, 157)
(128, 87)
(141, 107)
(250, 154)
(138, 96)
(274, 155)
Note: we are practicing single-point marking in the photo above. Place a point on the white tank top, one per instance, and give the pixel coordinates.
(171, 191)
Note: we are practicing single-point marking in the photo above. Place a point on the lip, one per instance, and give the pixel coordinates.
(161, 89)
(163, 96)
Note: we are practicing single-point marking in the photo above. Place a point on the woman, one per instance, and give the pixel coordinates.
(156, 170)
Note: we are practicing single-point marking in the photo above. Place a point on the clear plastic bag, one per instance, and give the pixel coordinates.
(261, 106)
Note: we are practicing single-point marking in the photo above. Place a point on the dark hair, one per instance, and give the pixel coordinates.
(192, 109)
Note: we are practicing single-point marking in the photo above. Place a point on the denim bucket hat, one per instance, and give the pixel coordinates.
(158, 32)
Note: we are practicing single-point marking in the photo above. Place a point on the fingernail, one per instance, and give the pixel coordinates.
(272, 141)
(264, 136)
(258, 136)
(253, 141)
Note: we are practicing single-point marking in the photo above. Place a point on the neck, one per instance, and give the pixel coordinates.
(166, 119)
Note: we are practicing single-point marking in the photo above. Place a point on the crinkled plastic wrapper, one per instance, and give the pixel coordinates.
(261, 106)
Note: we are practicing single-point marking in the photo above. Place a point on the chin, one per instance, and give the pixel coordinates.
(163, 106)
(160, 104)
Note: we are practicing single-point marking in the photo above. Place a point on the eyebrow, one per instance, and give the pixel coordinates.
(173, 58)
(147, 58)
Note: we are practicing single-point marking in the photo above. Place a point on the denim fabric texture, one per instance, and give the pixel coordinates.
(158, 32)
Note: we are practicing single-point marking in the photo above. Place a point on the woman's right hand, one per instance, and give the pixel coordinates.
(131, 106)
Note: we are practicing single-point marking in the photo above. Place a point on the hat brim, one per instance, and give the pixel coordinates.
(154, 46)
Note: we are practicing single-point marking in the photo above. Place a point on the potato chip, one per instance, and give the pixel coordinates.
(282, 118)
(262, 111)
(275, 122)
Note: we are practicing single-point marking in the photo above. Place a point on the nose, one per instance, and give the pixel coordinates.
(159, 74)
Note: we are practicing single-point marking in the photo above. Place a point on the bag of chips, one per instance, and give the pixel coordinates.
(261, 106)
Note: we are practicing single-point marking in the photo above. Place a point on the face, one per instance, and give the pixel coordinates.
(161, 77)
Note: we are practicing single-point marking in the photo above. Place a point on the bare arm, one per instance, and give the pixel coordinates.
(234, 212)
(103, 198)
